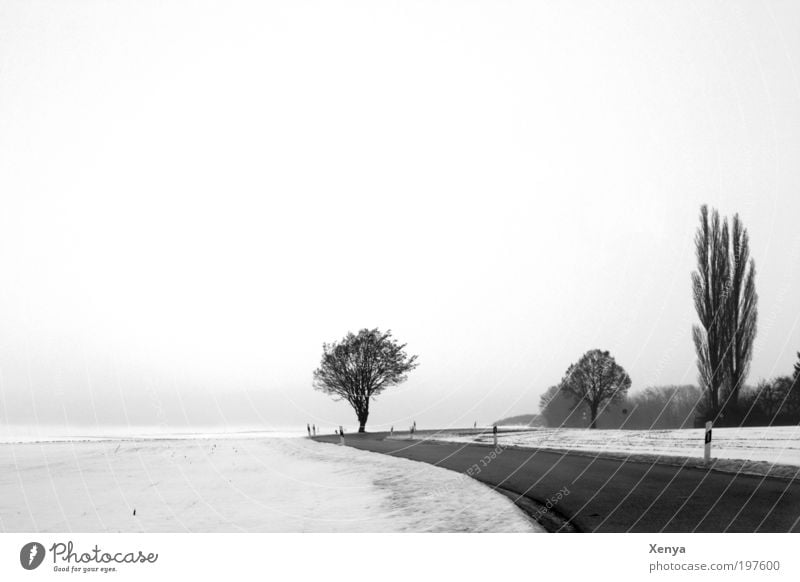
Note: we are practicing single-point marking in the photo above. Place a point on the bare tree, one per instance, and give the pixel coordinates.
(709, 285)
(741, 313)
(726, 302)
(359, 367)
(596, 379)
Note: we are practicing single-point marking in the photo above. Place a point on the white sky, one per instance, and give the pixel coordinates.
(196, 195)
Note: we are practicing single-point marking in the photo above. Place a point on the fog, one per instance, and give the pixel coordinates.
(193, 198)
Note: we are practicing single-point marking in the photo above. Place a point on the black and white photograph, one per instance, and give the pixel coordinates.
(398, 267)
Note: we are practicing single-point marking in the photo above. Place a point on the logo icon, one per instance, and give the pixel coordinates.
(31, 555)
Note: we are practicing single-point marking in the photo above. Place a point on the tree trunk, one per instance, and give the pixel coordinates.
(362, 421)
(593, 423)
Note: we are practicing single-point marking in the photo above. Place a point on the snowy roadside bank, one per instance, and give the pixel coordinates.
(211, 485)
(773, 451)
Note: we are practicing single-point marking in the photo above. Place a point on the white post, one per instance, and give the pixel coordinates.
(341, 438)
(494, 433)
(707, 454)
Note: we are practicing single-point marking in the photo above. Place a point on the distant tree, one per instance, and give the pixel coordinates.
(596, 379)
(775, 401)
(663, 407)
(361, 366)
(557, 408)
(544, 402)
(655, 407)
(770, 396)
(726, 303)
(741, 313)
(791, 405)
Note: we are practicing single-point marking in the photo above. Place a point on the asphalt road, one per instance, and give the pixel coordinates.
(607, 495)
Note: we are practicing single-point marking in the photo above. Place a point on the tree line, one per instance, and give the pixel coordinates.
(726, 302)
(657, 407)
(594, 390)
(770, 402)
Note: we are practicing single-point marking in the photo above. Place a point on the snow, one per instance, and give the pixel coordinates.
(215, 484)
(760, 446)
(10, 433)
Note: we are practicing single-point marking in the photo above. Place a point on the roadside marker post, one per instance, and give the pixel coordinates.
(707, 453)
(494, 433)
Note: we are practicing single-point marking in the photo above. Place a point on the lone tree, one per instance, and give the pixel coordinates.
(726, 302)
(361, 366)
(595, 380)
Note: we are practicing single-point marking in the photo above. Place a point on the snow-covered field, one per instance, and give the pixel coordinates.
(242, 484)
(774, 445)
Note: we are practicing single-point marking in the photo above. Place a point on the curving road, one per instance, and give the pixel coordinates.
(607, 495)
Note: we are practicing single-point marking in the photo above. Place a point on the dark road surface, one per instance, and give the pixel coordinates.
(607, 495)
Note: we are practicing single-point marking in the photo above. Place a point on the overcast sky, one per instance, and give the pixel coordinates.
(195, 196)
